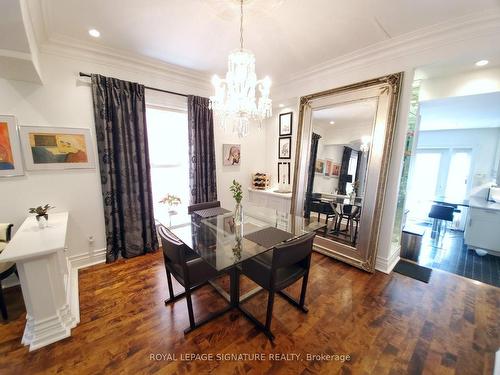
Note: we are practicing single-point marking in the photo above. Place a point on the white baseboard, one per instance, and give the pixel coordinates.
(386, 265)
(88, 259)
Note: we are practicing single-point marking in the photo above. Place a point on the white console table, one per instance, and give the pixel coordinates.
(50, 288)
(270, 198)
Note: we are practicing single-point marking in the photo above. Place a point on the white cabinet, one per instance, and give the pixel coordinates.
(482, 230)
(268, 198)
(49, 285)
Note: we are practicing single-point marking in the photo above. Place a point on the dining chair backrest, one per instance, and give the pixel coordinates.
(442, 212)
(292, 252)
(202, 206)
(173, 248)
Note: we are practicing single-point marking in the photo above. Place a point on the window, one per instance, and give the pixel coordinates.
(168, 155)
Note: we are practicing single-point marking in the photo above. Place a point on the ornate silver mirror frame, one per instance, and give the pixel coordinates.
(385, 90)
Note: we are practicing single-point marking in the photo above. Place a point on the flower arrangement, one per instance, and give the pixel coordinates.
(235, 188)
(40, 210)
(171, 200)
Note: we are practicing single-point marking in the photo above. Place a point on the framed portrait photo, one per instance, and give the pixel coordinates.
(285, 123)
(231, 154)
(47, 148)
(11, 163)
(285, 148)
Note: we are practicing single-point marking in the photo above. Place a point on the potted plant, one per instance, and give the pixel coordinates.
(171, 200)
(237, 191)
(41, 214)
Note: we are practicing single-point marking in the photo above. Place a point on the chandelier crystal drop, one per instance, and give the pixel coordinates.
(240, 97)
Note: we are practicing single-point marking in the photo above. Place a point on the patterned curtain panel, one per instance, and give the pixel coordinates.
(122, 143)
(344, 168)
(202, 177)
(310, 179)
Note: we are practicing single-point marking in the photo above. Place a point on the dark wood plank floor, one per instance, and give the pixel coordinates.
(388, 324)
(448, 252)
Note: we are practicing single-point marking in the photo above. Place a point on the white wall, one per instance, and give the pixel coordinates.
(477, 81)
(65, 100)
(253, 159)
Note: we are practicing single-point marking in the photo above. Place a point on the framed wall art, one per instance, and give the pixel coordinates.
(284, 173)
(46, 148)
(285, 148)
(11, 163)
(231, 154)
(285, 123)
(319, 167)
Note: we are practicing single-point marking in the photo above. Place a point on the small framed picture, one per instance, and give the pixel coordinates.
(285, 148)
(11, 163)
(335, 170)
(46, 148)
(231, 154)
(319, 166)
(284, 172)
(328, 167)
(286, 120)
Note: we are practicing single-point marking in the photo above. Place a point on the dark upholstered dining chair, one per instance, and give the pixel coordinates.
(279, 268)
(189, 269)
(202, 206)
(6, 268)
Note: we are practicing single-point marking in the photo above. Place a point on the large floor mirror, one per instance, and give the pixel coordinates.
(343, 150)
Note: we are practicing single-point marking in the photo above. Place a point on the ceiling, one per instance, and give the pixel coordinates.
(358, 112)
(287, 36)
(461, 112)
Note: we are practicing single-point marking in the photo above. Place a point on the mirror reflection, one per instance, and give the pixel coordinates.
(339, 155)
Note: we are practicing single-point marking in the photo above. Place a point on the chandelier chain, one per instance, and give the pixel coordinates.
(241, 25)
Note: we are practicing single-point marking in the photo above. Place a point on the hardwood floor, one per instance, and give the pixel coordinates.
(387, 324)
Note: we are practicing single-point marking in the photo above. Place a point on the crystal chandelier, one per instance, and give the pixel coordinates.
(240, 97)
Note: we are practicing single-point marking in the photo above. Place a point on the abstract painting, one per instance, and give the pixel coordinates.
(10, 153)
(57, 148)
(231, 154)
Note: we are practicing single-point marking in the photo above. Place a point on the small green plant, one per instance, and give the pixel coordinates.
(355, 186)
(235, 188)
(40, 210)
(171, 200)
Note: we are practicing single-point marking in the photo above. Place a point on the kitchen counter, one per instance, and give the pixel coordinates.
(483, 204)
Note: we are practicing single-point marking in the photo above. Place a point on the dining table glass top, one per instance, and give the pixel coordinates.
(223, 242)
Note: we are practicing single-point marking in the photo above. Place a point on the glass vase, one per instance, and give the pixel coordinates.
(238, 213)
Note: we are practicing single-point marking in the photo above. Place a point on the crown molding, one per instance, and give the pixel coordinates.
(67, 47)
(428, 38)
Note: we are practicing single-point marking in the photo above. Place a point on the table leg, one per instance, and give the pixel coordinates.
(234, 287)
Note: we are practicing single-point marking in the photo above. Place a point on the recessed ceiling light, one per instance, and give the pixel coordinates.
(281, 105)
(482, 63)
(94, 33)
(332, 122)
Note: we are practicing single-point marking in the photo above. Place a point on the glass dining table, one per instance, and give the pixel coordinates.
(225, 244)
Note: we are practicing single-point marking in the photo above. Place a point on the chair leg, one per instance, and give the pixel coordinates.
(303, 290)
(269, 315)
(190, 309)
(170, 288)
(5, 316)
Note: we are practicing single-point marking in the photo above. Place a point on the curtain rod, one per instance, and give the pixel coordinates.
(146, 87)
